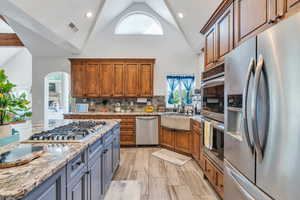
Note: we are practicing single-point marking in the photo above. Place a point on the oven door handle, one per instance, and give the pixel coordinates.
(251, 70)
(214, 82)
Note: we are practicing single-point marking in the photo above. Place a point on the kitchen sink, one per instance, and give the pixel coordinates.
(176, 121)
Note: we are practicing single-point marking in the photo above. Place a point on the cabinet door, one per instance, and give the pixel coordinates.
(224, 38)
(276, 9)
(146, 80)
(250, 16)
(182, 141)
(107, 166)
(219, 182)
(106, 80)
(132, 80)
(54, 188)
(292, 4)
(77, 190)
(116, 152)
(92, 80)
(119, 80)
(210, 47)
(95, 179)
(196, 146)
(168, 138)
(78, 78)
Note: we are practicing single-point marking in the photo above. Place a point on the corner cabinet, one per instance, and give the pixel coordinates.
(176, 140)
(112, 78)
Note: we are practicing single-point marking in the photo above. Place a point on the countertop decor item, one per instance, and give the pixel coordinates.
(12, 107)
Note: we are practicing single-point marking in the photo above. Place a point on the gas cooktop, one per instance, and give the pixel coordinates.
(73, 132)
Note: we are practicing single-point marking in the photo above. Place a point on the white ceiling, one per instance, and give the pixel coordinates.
(4, 28)
(50, 18)
(196, 14)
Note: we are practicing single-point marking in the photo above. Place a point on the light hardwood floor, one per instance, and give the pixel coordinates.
(161, 180)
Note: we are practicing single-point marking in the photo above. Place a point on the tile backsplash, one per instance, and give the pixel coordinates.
(99, 104)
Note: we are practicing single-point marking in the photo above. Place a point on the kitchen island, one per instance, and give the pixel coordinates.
(66, 171)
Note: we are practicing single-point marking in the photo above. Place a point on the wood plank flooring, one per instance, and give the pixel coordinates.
(161, 180)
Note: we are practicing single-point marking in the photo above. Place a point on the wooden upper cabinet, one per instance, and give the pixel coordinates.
(106, 79)
(112, 77)
(250, 16)
(224, 30)
(146, 80)
(119, 80)
(78, 79)
(276, 10)
(132, 80)
(210, 47)
(292, 4)
(92, 78)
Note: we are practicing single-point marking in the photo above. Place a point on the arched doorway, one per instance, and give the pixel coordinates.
(57, 92)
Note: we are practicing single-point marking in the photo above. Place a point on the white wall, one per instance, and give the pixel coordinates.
(172, 53)
(18, 68)
(41, 67)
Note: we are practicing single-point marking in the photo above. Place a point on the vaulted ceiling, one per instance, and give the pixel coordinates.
(46, 23)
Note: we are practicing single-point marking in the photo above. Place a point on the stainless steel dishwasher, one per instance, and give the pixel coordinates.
(147, 130)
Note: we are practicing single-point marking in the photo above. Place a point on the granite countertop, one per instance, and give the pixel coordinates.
(115, 113)
(16, 182)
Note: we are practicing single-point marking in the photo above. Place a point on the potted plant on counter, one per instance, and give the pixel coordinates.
(11, 106)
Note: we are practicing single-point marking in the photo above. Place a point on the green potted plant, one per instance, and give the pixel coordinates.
(12, 107)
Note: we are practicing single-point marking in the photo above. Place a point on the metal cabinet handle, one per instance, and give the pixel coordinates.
(245, 103)
(256, 139)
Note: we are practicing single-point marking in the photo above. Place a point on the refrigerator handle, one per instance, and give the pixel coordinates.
(234, 177)
(245, 103)
(256, 139)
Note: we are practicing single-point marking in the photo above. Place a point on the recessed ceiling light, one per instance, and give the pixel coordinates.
(180, 15)
(89, 14)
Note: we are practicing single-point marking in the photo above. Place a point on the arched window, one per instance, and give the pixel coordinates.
(139, 24)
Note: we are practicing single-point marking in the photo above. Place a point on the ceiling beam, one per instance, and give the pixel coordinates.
(1, 17)
(10, 39)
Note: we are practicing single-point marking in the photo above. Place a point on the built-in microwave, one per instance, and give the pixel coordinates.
(213, 99)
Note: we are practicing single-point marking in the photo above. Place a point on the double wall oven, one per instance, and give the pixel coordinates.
(212, 90)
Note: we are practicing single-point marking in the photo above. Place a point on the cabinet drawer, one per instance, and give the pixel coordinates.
(127, 127)
(126, 120)
(130, 132)
(95, 149)
(78, 164)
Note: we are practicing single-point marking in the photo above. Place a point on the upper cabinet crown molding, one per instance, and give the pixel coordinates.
(215, 16)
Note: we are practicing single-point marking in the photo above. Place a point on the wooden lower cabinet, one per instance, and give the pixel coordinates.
(182, 141)
(167, 138)
(214, 176)
(176, 140)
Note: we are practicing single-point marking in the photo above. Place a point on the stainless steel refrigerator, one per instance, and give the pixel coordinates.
(262, 116)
